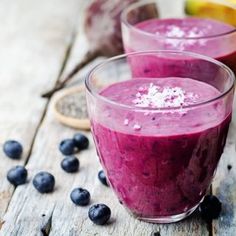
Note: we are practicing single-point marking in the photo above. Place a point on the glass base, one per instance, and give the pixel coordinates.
(168, 219)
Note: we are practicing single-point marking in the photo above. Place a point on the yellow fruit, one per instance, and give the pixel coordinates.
(220, 10)
(231, 1)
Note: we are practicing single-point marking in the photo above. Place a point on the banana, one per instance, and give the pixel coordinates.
(224, 10)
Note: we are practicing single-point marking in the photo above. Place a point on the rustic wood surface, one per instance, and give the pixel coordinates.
(34, 39)
(37, 39)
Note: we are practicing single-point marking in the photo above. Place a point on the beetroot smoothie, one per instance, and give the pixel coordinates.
(205, 36)
(160, 162)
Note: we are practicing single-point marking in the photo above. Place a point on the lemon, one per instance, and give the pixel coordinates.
(224, 10)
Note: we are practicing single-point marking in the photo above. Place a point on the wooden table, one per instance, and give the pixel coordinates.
(40, 41)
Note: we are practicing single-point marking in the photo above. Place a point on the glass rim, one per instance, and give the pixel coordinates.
(145, 2)
(95, 94)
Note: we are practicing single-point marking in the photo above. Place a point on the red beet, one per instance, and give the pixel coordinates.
(103, 30)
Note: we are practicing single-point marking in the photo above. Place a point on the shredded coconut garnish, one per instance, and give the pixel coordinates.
(126, 122)
(157, 97)
(177, 32)
(137, 127)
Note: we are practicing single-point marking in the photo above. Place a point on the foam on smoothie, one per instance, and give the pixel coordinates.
(154, 96)
(157, 94)
(184, 28)
(191, 31)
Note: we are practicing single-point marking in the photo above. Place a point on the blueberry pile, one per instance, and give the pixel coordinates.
(71, 146)
(44, 182)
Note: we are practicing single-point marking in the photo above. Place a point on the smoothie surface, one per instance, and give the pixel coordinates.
(150, 96)
(204, 36)
(185, 28)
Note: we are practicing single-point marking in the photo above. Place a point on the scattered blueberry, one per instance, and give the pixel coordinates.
(229, 167)
(210, 208)
(13, 149)
(99, 214)
(70, 164)
(67, 147)
(102, 177)
(17, 175)
(80, 196)
(81, 141)
(44, 182)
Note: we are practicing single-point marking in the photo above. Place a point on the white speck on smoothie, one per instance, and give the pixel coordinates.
(141, 89)
(178, 32)
(126, 122)
(174, 31)
(157, 97)
(137, 127)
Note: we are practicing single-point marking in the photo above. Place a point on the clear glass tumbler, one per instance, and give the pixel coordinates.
(175, 31)
(159, 139)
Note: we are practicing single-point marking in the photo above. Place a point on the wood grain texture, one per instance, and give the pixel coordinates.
(34, 38)
(224, 185)
(31, 213)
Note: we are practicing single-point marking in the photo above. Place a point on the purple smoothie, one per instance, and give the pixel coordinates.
(187, 34)
(160, 162)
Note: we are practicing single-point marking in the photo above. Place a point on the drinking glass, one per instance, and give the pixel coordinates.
(159, 160)
(144, 32)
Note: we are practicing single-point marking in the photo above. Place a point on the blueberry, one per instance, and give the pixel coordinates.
(70, 164)
(99, 214)
(102, 177)
(80, 196)
(13, 149)
(67, 147)
(17, 175)
(81, 141)
(210, 208)
(44, 182)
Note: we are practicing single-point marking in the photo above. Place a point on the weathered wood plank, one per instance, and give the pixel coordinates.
(34, 38)
(224, 185)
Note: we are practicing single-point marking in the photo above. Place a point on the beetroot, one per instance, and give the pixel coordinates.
(103, 30)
